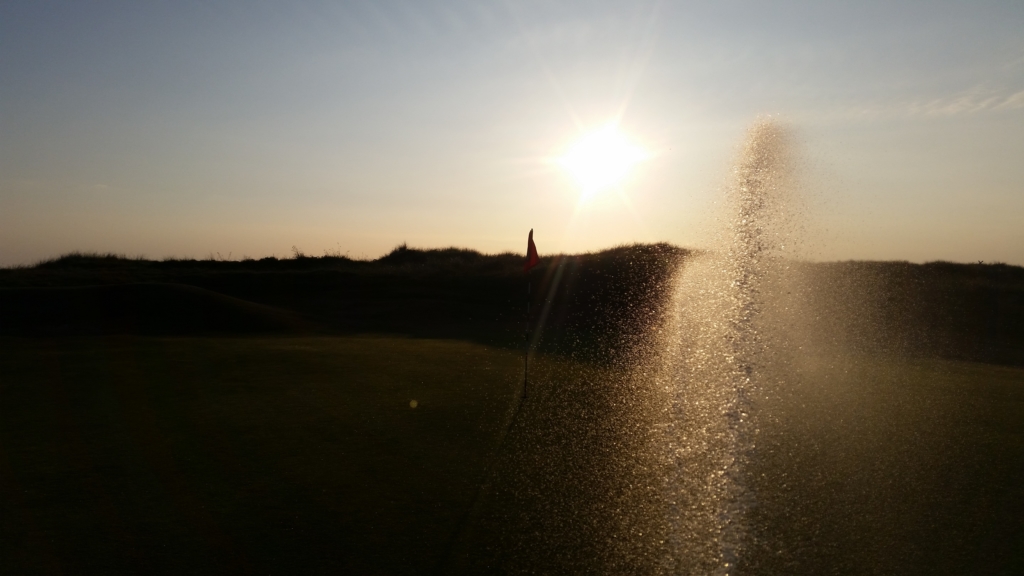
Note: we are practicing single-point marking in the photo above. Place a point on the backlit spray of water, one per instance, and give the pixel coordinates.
(709, 363)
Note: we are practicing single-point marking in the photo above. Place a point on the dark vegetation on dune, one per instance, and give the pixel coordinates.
(971, 312)
(587, 304)
(424, 293)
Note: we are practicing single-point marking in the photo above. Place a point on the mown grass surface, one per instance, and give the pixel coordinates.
(300, 455)
(270, 456)
(864, 465)
(875, 465)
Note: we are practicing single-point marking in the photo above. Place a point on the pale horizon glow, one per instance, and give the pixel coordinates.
(189, 129)
(601, 159)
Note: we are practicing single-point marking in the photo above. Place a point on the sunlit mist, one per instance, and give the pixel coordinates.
(601, 159)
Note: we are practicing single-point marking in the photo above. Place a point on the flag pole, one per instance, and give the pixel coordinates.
(526, 339)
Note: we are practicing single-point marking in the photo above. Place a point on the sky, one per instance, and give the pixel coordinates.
(249, 129)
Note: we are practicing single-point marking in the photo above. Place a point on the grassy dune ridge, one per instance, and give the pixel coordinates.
(592, 304)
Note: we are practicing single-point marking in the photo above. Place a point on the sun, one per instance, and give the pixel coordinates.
(601, 159)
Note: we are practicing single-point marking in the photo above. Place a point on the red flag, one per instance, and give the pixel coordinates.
(532, 259)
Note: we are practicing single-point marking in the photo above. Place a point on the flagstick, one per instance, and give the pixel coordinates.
(526, 339)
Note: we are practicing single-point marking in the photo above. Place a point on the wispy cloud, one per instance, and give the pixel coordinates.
(1013, 102)
(978, 100)
(974, 101)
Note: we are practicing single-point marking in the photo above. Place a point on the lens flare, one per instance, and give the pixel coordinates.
(601, 159)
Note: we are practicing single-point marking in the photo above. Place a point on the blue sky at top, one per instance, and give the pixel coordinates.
(188, 129)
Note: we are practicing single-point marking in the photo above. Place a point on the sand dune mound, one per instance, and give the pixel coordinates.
(143, 308)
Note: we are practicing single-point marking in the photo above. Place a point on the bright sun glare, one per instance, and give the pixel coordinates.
(601, 159)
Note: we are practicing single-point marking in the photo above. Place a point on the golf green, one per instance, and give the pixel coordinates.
(217, 455)
(380, 455)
